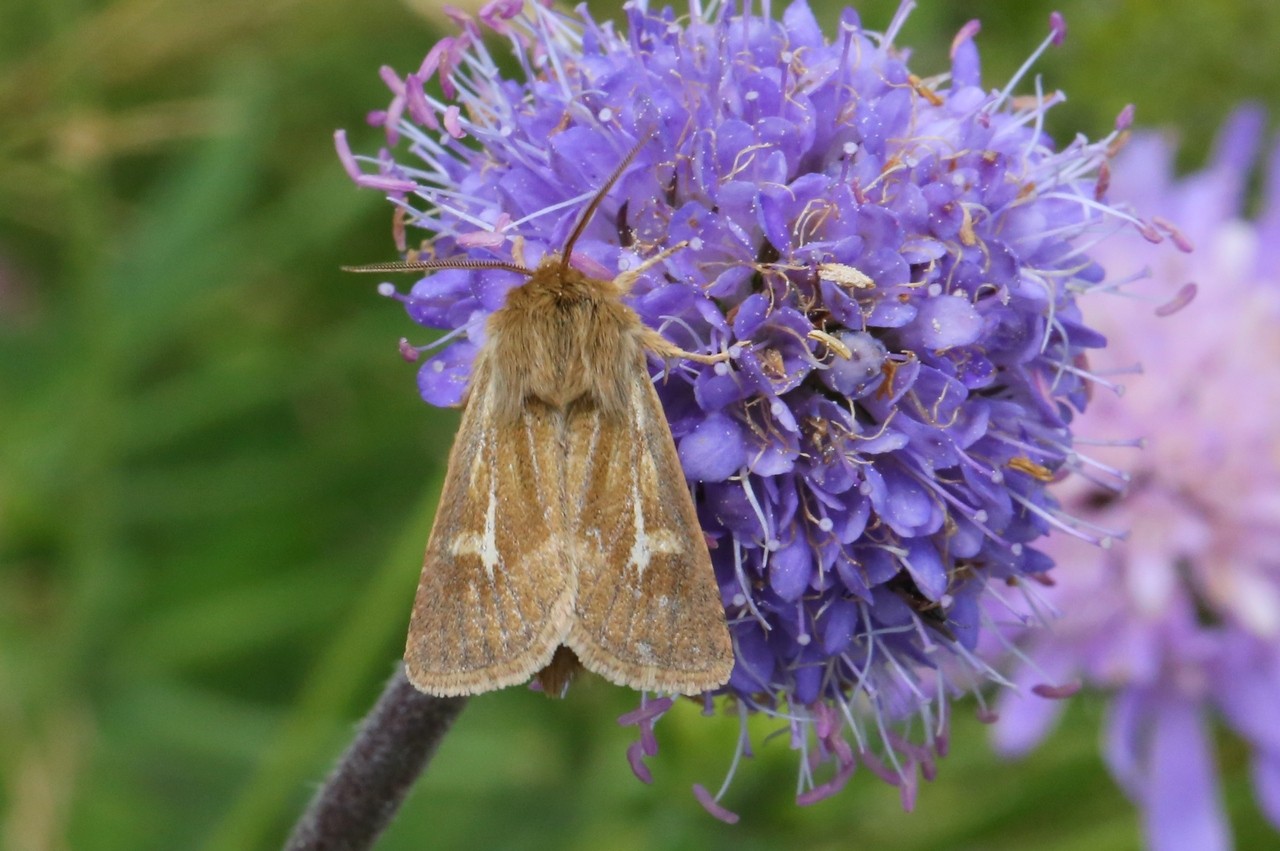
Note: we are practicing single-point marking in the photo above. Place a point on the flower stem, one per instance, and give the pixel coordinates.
(393, 746)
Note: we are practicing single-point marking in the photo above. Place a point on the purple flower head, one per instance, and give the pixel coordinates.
(1181, 623)
(892, 264)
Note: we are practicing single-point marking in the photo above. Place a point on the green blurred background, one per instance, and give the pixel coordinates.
(216, 477)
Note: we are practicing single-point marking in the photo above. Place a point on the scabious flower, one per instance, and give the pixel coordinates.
(892, 264)
(1182, 622)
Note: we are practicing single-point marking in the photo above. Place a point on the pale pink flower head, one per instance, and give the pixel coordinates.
(1181, 619)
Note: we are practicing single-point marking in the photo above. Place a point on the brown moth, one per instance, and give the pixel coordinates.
(566, 531)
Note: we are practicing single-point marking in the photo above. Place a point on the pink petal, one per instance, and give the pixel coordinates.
(650, 710)
(635, 755)
(826, 790)
(712, 806)
(1056, 692)
(1058, 26)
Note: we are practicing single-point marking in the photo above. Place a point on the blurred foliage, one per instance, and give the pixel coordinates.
(216, 478)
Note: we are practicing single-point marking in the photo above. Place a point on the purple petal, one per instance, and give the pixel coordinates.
(1125, 737)
(1266, 785)
(773, 459)
(751, 315)
(791, 569)
(943, 322)
(907, 506)
(443, 299)
(1182, 810)
(966, 69)
(715, 392)
(443, 379)
(715, 450)
(1247, 690)
(839, 624)
(891, 313)
(754, 661)
(849, 376)
(926, 568)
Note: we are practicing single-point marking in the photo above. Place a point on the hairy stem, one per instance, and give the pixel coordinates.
(393, 746)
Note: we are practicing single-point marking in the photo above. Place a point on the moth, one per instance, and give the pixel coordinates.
(566, 534)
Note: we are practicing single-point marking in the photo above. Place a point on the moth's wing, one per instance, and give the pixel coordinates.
(648, 613)
(496, 594)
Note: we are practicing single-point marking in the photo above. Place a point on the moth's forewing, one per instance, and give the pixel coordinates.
(496, 594)
(648, 613)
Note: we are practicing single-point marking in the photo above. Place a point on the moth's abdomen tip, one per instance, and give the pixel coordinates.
(554, 679)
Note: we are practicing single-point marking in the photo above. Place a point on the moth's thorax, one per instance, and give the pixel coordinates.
(561, 336)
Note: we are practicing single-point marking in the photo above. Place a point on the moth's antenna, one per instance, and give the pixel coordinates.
(585, 218)
(434, 265)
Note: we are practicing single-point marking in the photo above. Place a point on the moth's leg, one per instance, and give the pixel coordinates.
(669, 351)
(626, 280)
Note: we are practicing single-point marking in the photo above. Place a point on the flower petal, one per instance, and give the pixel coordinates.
(715, 450)
(1182, 807)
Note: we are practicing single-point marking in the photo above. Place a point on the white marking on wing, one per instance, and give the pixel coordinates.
(645, 543)
(484, 545)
